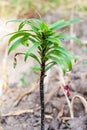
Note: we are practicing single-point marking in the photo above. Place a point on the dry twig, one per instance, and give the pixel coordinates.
(4, 78)
(60, 114)
(20, 112)
(21, 96)
(51, 94)
(84, 102)
(17, 113)
(65, 118)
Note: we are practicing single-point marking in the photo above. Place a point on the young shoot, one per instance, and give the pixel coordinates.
(48, 44)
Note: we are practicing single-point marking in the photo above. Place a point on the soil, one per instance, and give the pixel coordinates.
(30, 119)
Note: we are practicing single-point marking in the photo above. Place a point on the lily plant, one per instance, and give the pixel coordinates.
(48, 44)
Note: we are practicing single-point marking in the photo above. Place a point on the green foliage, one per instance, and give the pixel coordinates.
(23, 80)
(43, 38)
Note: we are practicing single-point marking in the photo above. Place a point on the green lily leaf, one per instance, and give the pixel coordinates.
(19, 20)
(65, 57)
(58, 61)
(30, 50)
(50, 65)
(21, 26)
(15, 45)
(35, 57)
(62, 24)
(36, 69)
(70, 38)
(17, 35)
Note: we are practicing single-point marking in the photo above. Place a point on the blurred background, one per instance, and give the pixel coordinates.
(29, 8)
(50, 11)
(18, 81)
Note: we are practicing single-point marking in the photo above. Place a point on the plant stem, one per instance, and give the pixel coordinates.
(42, 89)
(42, 95)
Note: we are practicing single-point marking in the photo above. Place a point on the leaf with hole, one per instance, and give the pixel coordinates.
(70, 38)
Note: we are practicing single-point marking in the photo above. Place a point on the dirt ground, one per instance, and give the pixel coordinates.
(26, 114)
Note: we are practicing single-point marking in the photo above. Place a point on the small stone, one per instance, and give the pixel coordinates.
(58, 102)
(55, 124)
(79, 123)
(35, 121)
(37, 114)
(60, 93)
(11, 120)
(48, 109)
